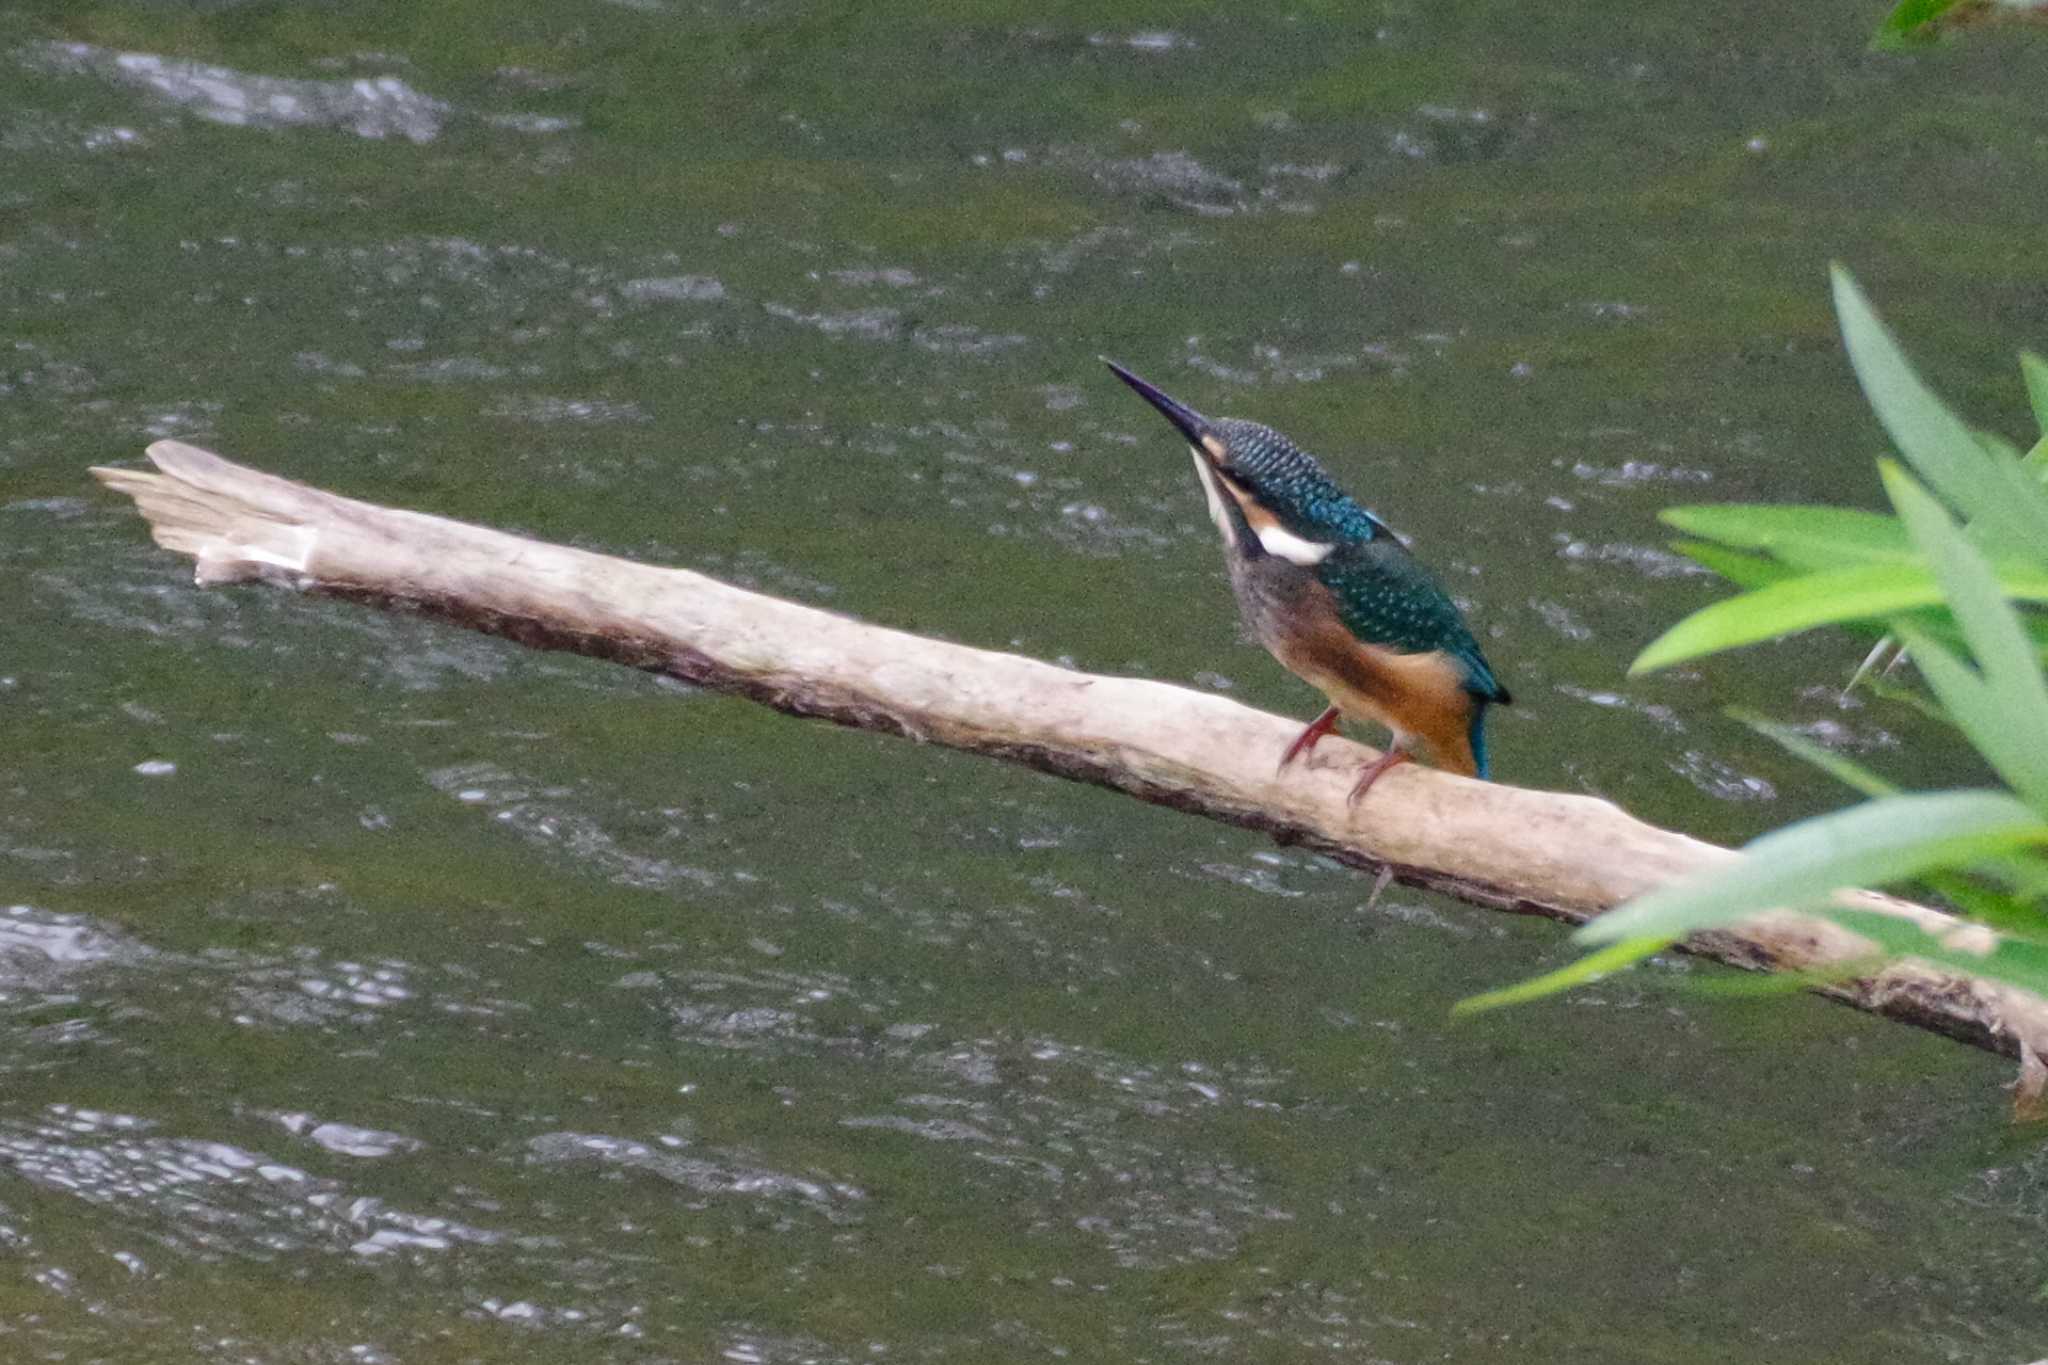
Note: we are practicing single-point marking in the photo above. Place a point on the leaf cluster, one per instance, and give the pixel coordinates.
(1953, 578)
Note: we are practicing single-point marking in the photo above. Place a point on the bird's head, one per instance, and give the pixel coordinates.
(1266, 494)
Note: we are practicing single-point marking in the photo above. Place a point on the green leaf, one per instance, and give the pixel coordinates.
(1940, 625)
(1886, 690)
(2025, 878)
(1816, 599)
(2019, 757)
(1912, 23)
(1806, 537)
(2016, 962)
(1843, 769)
(1591, 967)
(2034, 370)
(1996, 446)
(1988, 905)
(2008, 718)
(1976, 592)
(1874, 844)
(2008, 506)
(2020, 878)
(1744, 571)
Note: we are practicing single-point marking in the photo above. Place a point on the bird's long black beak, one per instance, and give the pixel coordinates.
(1190, 423)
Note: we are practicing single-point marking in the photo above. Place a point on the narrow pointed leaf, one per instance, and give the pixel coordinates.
(1816, 599)
(2012, 961)
(1996, 446)
(1910, 697)
(2009, 505)
(2020, 877)
(1874, 844)
(1591, 967)
(1987, 904)
(1791, 605)
(2020, 757)
(2027, 879)
(2034, 370)
(2009, 665)
(1808, 536)
(1743, 570)
(1940, 625)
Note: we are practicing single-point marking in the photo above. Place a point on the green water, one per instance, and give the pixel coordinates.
(377, 992)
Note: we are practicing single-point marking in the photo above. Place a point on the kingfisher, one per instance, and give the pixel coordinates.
(1334, 594)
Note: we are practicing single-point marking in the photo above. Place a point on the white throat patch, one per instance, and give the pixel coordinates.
(1274, 538)
(1282, 542)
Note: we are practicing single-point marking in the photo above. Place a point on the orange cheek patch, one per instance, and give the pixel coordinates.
(1259, 517)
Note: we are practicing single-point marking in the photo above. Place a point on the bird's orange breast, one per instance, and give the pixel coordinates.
(1418, 695)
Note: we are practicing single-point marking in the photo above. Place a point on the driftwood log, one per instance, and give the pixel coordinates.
(1567, 857)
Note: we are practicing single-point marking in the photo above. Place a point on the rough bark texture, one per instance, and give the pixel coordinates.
(1564, 856)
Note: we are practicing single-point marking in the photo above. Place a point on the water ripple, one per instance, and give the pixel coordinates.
(370, 107)
(205, 1195)
(35, 944)
(545, 816)
(346, 1139)
(668, 1159)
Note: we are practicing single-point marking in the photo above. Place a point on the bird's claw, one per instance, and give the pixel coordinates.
(1305, 742)
(1391, 758)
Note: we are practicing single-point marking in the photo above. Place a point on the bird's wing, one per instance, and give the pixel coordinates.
(1387, 597)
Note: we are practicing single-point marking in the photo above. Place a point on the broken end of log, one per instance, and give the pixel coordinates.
(238, 525)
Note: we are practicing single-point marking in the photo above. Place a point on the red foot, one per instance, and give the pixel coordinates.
(1389, 759)
(1306, 740)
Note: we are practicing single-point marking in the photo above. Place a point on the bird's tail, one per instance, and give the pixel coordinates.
(1477, 735)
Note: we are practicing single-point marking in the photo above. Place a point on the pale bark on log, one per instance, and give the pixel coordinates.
(1564, 856)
